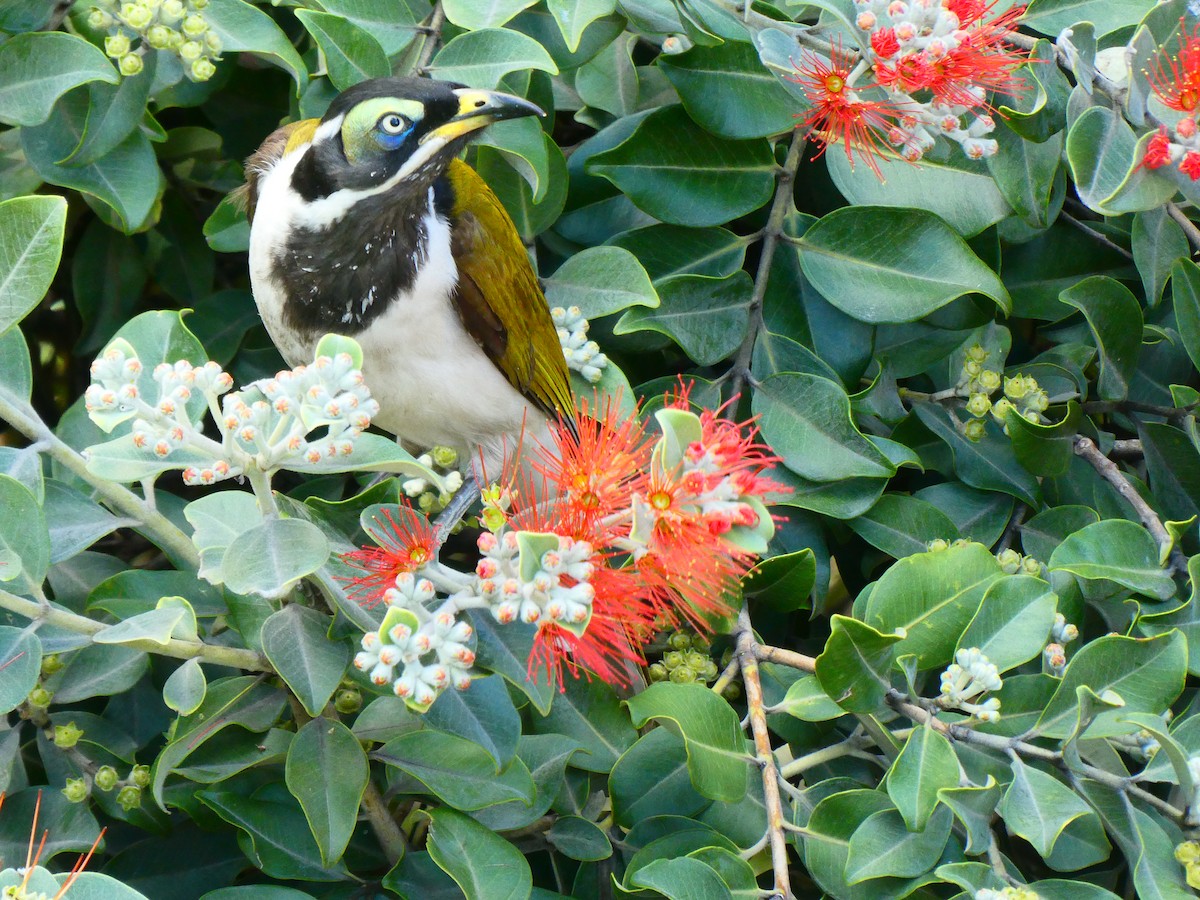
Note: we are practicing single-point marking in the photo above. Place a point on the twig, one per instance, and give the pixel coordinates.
(791, 658)
(1014, 525)
(1150, 409)
(1095, 235)
(726, 677)
(433, 37)
(234, 657)
(158, 527)
(780, 206)
(1127, 448)
(1188, 226)
(387, 831)
(748, 659)
(756, 20)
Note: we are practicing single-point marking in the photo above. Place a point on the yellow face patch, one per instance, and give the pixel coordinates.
(362, 124)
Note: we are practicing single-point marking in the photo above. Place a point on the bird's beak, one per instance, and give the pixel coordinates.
(477, 109)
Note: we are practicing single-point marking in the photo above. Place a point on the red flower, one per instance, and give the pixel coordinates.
(982, 61)
(838, 115)
(1158, 150)
(1190, 165)
(884, 43)
(1176, 81)
(405, 543)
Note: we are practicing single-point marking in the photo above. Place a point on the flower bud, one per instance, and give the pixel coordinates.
(989, 380)
(106, 778)
(938, 544)
(212, 41)
(66, 736)
(656, 672)
(975, 430)
(972, 368)
(99, 19)
(40, 698)
(140, 775)
(76, 790)
(130, 797)
(191, 51)
(130, 64)
(979, 404)
(193, 26)
(51, 663)
(348, 701)
(679, 640)
(444, 457)
(159, 37)
(172, 11)
(978, 353)
(1000, 410)
(683, 675)
(1010, 561)
(672, 659)
(116, 45)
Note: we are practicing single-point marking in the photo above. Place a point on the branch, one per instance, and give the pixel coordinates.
(783, 657)
(387, 831)
(234, 657)
(747, 657)
(433, 37)
(1150, 409)
(1095, 235)
(158, 527)
(1188, 226)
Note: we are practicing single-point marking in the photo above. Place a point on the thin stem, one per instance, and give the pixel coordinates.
(727, 676)
(233, 657)
(780, 206)
(783, 657)
(1127, 448)
(748, 659)
(1188, 226)
(1014, 526)
(433, 37)
(1095, 235)
(851, 746)
(1150, 409)
(758, 21)
(158, 527)
(260, 482)
(387, 831)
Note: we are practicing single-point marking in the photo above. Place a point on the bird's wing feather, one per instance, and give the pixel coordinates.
(279, 143)
(496, 285)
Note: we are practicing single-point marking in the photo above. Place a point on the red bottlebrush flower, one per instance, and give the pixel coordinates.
(1190, 165)
(838, 114)
(982, 61)
(405, 542)
(1176, 80)
(1158, 150)
(910, 73)
(884, 43)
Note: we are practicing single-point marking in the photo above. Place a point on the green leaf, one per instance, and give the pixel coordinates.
(158, 626)
(505, 649)
(482, 863)
(1160, 251)
(601, 281)
(20, 665)
(217, 521)
(1051, 16)
(39, 67)
(544, 757)
(900, 525)
(806, 700)
(244, 27)
(782, 582)
(1115, 319)
(831, 827)
(75, 521)
(682, 174)
(23, 536)
(457, 771)
(609, 80)
(926, 765)
(98, 671)
(185, 688)
(806, 420)
(579, 838)
(484, 715)
(854, 668)
(392, 22)
(31, 239)
(1185, 296)
(296, 642)
(1186, 618)
(473, 14)
(1027, 174)
(922, 266)
(1147, 674)
(711, 733)
(270, 557)
(932, 597)
(705, 316)
(351, 54)
(1038, 806)
(481, 58)
(70, 827)
(882, 846)
(681, 878)
(1104, 153)
(1045, 449)
(974, 806)
(589, 713)
(667, 250)
(1013, 622)
(330, 803)
(726, 89)
(1115, 550)
(574, 16)
(651, 779)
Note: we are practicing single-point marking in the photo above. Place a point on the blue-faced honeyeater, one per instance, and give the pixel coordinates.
(365, 223)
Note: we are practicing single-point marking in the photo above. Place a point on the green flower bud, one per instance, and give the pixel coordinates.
(1000, 410)
(1015, 388)
(426, 501)
(152, 5)
(40, 698)
(989, 380)
(140, 775)
(51, 664)
(709, 671)
(199, 4)
(66, 736)
(129, 9)
(672, 659)
(116, 45)
(171, 12)
(130, 797)
(348, 702)
(683, 675)
(76, 790)
(159, 37)
(99, 19)
(193, 26)
(974, 430)
(679, 640)
(176, 41)
(131, 64)
(1031, 566)
(694, 659)
(1031, 416)
(191, 51)
(137, 18)
(732, 691)
(937, 545)
(1038, 401)
(212, 41)
(978, 404)
(977, 353)
(444, 457)
(1010, 561)
(972, 368)
(106, 778)
(657, 672)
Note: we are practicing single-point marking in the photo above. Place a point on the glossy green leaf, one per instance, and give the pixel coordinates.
(351, 54)
(20, 663)
(920, 268)
(666, 250)
(242, 26)
(782, 582)
(38, 68)
(31, 239)
(185, 688)
(1045, 449)
(590, 713)
(830, 828)
(1115, 320)
(1025, 174)
(974, 807)
(574, 16)
(855, 667)
(601, 281)
(1013, 622)
(24, 537)
(882, 846)
(544, 757)
(1115, 550)
(1185, 618)
(458, 772)
(473, 15)
(1104, 156)
(900, 525)
(1037, 806)
(1185, 296)
(296, 642)
(715, 744)
(481, 58)
(484, 714)
(926, 765)
(707, 317)
(1051, 16)
(682, 878)
(579, 838)
(505, 649)
(1159, 247)
(651, 778)
(330, 803)
(269, 558)
(483, 864)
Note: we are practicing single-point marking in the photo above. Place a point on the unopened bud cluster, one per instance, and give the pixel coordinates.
(1021, 393)
(582, 355)
(265, 426)
(1187, 854)
(1054, 656)
(177, 26)
(1013, 563)
(426, 496)
(970, 675)
(685, 661)
(106, 778)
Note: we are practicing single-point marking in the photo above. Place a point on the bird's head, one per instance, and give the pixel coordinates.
(403, 129)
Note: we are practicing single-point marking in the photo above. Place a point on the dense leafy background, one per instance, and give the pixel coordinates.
(668, 197)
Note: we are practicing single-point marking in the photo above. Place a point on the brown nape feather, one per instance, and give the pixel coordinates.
(262, 160)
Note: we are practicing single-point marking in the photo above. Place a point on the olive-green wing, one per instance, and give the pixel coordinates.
(498, 295)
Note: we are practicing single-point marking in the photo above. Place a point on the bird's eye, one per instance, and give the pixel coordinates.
(392, 124)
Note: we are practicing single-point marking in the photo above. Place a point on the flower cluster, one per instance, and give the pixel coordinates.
(970, 675)
(429, 497)
(1020, 392)
(1013, 563)
(934, 64)
(1054, 656)
(1188, 855)
(1175, 82)
(685, 661)
(608, 537)
(266, 426)
(178, 26)
(582, 355)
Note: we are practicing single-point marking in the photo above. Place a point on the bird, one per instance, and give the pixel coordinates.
(365, 223)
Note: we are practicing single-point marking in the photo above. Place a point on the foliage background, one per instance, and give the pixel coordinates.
(670, 199)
